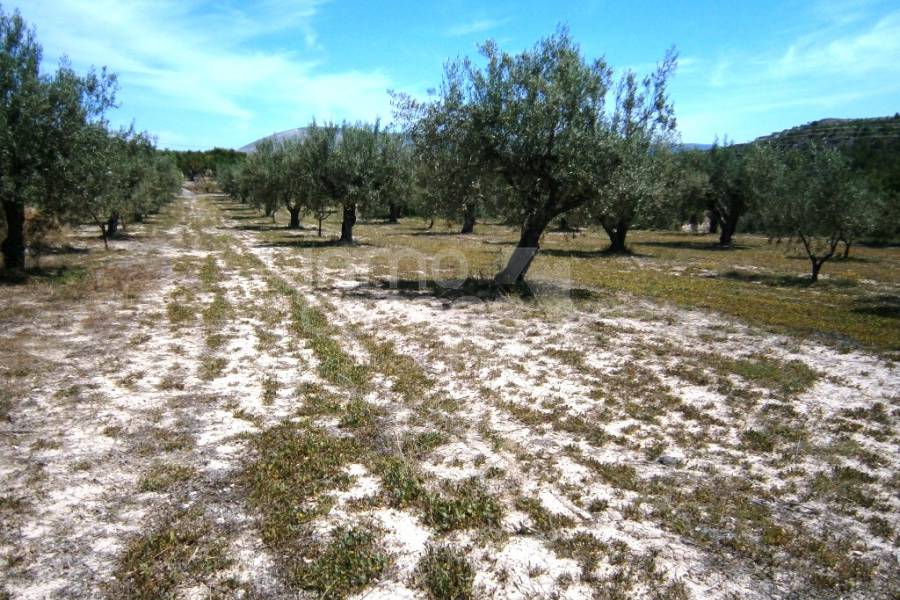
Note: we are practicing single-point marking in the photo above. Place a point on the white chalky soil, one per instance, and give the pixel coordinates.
(70, 451)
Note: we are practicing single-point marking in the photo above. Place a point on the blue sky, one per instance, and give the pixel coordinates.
(199, 74)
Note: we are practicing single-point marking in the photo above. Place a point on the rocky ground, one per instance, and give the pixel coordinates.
(206, 412)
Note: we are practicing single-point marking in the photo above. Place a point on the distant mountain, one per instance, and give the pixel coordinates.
(281, 136)
(686, 147)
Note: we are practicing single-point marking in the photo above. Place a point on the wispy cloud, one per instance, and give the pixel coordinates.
(847, 54)
(849, 48)
(199, 57)
(477, 26)
(873, 49)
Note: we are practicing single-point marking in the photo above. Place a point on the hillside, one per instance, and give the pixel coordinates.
(281, 136)
(840, 132)
(873, 144)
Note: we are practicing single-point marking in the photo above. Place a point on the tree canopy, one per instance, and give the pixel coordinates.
(57, 153)
(538, 124)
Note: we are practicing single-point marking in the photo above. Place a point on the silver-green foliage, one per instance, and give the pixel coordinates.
(820, 201)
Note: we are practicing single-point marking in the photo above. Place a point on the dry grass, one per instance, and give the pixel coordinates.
(629, 450)
(760, 283)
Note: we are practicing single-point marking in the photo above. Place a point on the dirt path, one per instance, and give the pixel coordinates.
(617, 447)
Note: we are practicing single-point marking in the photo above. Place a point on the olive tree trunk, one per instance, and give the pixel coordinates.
(14, 244)
(112, 225)
(393, 213)
(295, 218)
(616, 231)
(713, 216)
(816, 267)
(818, 261)
(347, 223)
(525, 251)
(729, 226)
(468, 219)
(847, 244)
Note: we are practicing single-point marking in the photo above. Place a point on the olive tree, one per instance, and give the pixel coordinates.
(40, 117)
(290, 178)
(356, 165)
(740, 181)
(130, 164)
(228, 177)
(450, 179)
(538, 122)
(636, 190)
(394, 171)
(687, 186)
(162, 179)
(114, 174)
(355, 168)
(261, 179)
(643, 121)
(819, 201)
(92, 196)
(330, 179)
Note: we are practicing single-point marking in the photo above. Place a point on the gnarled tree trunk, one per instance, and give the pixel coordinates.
(348, 222)
(713, 216)
(729, 226)
(846, 253)
(295, 217)
(112, 225)
(816, 267)
(818, 261)
(393, 213)
(468, 219)
(525, 251)
(616, 231)
(14, 244)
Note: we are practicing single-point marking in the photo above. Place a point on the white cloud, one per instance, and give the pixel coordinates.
(203, 57)
(846, 56)
(477, 26)
(847, 47)
(876, 48)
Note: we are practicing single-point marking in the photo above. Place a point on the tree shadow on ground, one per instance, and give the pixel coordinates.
(377, 222)
(429, 233)
(695, 245)
(260, 227)
(53, 275)
(768, 279)
(304, 242)
(63, 250)
(836, 259)
(882, 305)
(471, 289)
(793, 281)
(121, 236)
(244, 217)
(857, 259)
(604, 253)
